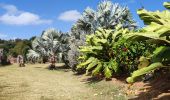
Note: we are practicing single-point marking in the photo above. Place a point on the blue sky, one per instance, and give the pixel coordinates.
(27, 18)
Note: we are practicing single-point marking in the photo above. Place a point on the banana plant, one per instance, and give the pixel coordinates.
(97, 56)
(157, 32)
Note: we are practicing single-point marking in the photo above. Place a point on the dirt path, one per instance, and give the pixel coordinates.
(35, 82)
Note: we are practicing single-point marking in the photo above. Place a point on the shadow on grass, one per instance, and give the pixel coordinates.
(38, 67)
(59, 68)
(6, 65)
(94, 79)
(156, 89)
(2, 87)
(121, 77)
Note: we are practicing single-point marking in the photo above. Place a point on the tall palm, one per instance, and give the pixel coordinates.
(107, 16)
(51, 43)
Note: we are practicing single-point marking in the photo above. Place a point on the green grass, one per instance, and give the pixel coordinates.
(108, 90)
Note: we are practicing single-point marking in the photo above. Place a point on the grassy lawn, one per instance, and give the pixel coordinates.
(36, 82)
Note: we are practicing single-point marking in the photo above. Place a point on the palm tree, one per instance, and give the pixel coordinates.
(50, 44)
(107, 16)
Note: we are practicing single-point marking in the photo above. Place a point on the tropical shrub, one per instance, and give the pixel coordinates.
(107, 52)
(4, 60)
(128, 54)
(97, 54)
(108, 15)
(157, 32)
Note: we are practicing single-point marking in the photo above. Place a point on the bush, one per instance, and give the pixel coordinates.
(107, 52)
(4, 61)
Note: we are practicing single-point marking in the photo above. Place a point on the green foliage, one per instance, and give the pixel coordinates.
(157, 31)
(20, 48)
(107, 52)
(167, 5)
(143, 71)
(127, 54)
(96, 54)
(161, 54)
(15, 47)
(107, 15)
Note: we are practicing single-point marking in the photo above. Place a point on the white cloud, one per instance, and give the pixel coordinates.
(9, 8)
(71, 15)
(13, 16)
(3, 36)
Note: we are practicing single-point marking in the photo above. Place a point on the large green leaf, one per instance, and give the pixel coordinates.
(161, 54)
(167, 5)
(143, 71)
(114, 65)
(157, 16)
(92, 64)
(157, 29)
(107, 71)
(90, 49)
(91, 59)
(97, 69)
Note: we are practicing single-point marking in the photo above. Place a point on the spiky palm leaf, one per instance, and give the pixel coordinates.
(50, 43)
(32, 55)
(107, 15)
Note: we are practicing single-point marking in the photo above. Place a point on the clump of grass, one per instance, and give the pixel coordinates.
(107, 90)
